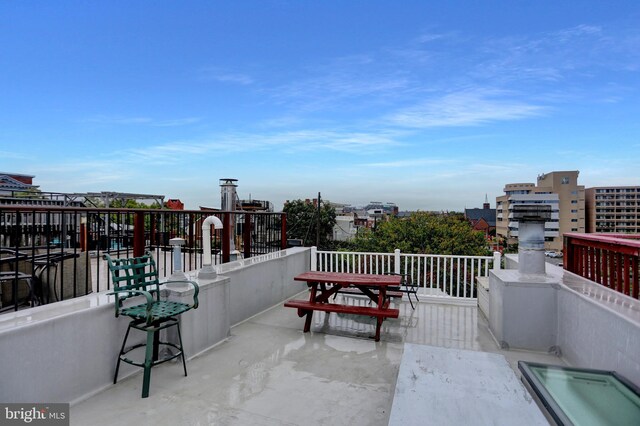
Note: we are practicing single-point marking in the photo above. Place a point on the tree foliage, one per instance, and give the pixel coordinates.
(119, 203)
(302, 222)
(423, 233)
(133, 204)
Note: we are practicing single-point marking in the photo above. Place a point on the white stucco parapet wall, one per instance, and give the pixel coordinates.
(595, 327)
(66, 351)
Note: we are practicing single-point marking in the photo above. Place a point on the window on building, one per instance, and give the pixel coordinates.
(565, 180)
(574, 211)
(574, 201)
(574, 220)
(574, 229)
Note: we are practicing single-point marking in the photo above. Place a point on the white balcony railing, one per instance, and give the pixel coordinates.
(436, 274)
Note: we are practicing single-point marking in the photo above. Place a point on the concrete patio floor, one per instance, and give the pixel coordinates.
(271, 373)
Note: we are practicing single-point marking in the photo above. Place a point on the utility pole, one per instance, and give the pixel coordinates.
(318, 224)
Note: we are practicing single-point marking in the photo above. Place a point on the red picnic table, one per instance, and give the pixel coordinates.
(371, 285)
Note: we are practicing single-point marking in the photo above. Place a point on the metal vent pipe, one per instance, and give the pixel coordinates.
(531, 220)
(228, 197)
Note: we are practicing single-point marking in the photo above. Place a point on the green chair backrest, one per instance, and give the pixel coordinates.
(134, 273)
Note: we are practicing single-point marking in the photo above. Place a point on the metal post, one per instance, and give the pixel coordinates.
(84, 236)
(283, 231)
(246, 235)
(227, 233)
(138, 234)
(228, 198)
(396, 257)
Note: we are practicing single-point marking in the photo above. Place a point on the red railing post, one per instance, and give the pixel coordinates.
(597, 254)
(619, 279)
(635, 280)
(84, 237)
(580, 254)
(138, 234)
(626, 278)
(591, 263)
(568, 255)
(610, 269)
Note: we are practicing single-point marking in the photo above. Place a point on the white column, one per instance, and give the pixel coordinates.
(178, 272)
(497, 257)
(396, 256)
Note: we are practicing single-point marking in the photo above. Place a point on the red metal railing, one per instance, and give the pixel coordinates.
(608, 259)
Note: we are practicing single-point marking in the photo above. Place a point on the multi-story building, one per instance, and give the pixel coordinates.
(390, 209)
(613, 209)
(560, 190)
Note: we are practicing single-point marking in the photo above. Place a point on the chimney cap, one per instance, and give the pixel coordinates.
(228, 181)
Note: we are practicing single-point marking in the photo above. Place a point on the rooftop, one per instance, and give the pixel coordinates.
(249, 361)
(270, 373)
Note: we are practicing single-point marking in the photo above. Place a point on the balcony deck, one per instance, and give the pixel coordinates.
(270, 373)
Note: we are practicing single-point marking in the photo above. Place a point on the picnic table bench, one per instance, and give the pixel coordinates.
(356, 291)
(373, 286)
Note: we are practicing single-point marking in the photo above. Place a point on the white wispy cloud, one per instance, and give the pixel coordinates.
(141, 120)
(233, 78)
(224, 76)
(332, 90)
(283, 121)
(344, 141)
(580, 30)
(98, 174)
(307, 140)
(345, 83)
(10, 155)
(529, 64)
(175, 122)
(429, 37)
(408, 163)
(117, 120)
(577, 52)
(465, 108)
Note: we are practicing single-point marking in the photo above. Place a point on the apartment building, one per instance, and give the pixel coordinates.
(560, 190)
(613, 209)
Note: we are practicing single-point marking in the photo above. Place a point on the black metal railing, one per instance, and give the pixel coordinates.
(48, 254)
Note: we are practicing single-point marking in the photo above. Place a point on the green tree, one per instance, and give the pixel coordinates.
(302, 222)
(424, 233)
(133, 204)
(29, 193)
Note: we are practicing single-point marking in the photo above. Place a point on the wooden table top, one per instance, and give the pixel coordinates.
(346, 278)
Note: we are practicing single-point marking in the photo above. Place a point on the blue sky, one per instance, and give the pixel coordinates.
(428, 104)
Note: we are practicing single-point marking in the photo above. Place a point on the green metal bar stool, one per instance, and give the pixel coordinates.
(136, 277)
